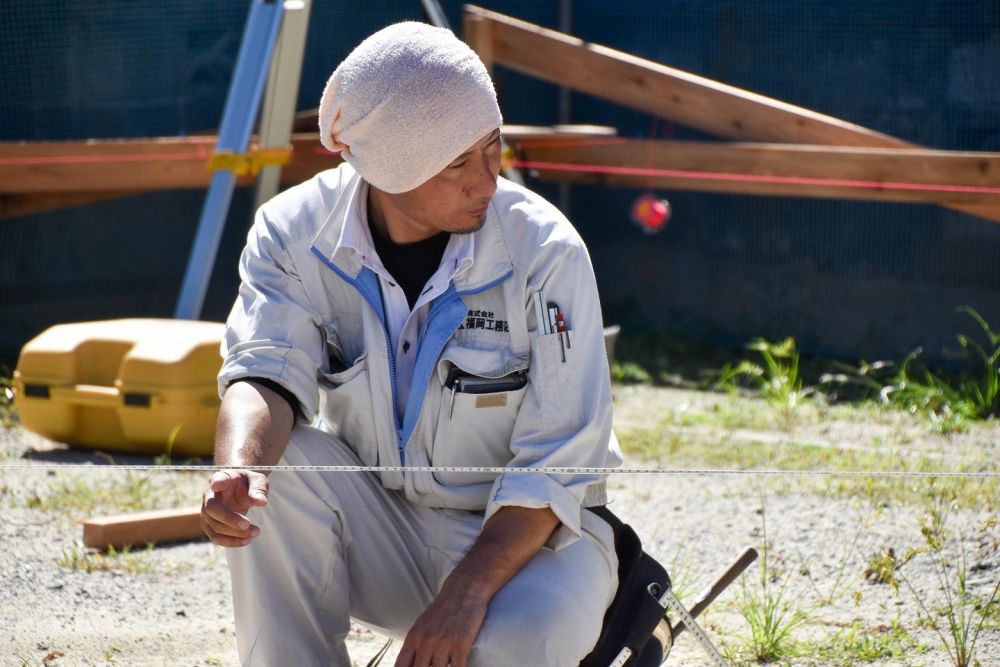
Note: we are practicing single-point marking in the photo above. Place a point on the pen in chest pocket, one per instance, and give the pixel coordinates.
(551, 320)
(562, 329)
(558, 325)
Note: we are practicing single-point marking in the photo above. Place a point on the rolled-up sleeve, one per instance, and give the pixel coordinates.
(565, 418)
(272, 331)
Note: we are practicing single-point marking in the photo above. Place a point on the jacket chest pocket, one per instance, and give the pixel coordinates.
(481, 393)
(346, 408)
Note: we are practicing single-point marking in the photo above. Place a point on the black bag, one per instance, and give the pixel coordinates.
(635, 612)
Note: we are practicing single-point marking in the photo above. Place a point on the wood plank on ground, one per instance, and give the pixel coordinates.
(140, 528)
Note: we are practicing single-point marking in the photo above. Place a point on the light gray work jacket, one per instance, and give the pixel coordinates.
(310, 317)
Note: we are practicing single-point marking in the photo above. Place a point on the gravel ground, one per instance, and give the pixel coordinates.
(171, 605)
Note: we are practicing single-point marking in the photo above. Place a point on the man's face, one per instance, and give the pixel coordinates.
(455, 199)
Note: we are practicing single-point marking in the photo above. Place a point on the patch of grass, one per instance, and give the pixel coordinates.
(768, 607)
(882, 568)
(114, 492)
(629, 372)
(860, 643)
(949, 401)
(166, 458)
(777, 380)
(679, 448)
(960, 620)
(124, 560)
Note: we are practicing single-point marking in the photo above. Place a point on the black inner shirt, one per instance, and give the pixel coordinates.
(410, 264)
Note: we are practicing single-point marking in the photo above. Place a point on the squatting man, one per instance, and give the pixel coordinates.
(389, 315)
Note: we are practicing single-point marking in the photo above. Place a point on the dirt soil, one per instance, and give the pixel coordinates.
(61, 604)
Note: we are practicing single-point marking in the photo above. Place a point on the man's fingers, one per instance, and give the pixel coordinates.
(258, 488)
(230, 495)
(220, 481)
(217, 510)
(220, 528)
(223, 540)
(223, 534)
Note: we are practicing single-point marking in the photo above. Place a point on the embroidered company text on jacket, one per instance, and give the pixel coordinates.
(484, 320)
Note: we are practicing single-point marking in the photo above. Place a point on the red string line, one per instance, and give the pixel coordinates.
(204, 154)
(753, 178)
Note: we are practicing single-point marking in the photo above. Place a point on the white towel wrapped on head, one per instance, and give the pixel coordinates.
(405, 103)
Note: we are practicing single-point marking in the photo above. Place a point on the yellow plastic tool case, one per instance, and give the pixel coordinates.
(141, 386)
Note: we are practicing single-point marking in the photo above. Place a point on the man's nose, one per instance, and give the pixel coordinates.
(484, 182)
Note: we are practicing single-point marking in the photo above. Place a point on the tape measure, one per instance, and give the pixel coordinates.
(668, 599)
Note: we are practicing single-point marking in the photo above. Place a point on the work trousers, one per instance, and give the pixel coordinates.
(333, 546)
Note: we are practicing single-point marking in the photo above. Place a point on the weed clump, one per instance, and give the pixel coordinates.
(960, 619)
(949, 401)
(770, 609)
(778, 380)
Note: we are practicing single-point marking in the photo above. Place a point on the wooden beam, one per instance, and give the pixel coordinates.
(660, 90)
(478, 34)
(40, 176)
(143, 527)
(132, 165)
(881, 174)
(670, 93)
(99, 166)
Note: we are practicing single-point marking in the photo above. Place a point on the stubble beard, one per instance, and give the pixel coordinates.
(461, 231)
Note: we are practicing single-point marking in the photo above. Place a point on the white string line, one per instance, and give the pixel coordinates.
(495, 470)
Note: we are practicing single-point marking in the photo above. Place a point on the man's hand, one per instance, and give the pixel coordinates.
(254, 426)
(225, 503)
(445, 632)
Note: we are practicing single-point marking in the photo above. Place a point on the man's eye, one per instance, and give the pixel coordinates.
(457, 165)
